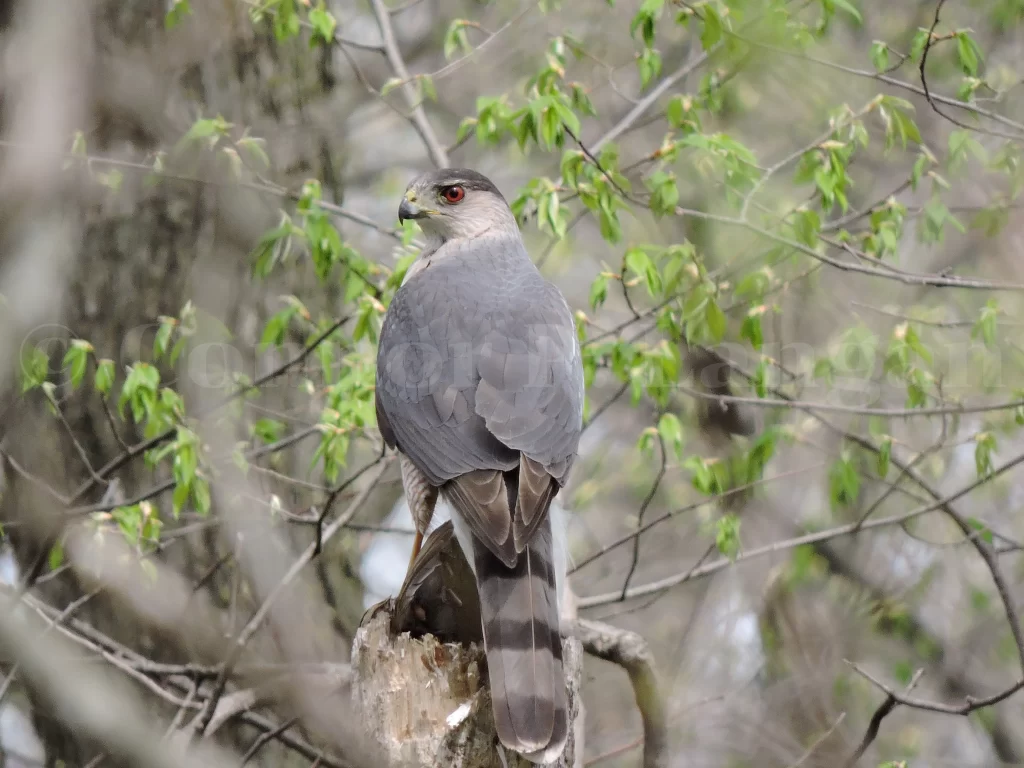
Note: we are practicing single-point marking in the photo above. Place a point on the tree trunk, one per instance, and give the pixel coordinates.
(427, 703)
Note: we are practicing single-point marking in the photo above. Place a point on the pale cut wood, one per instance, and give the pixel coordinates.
(426, 703)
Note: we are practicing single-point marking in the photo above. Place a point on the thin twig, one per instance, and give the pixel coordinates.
(247, 632)
(640, 515)
(818, 742)
(879, 715)
(264, 737)
(809, 538)
(716, 499)
(318, 544)
(140, 448)
(896, 83)
(892, 413)
(605, 406)
(419, 117)
(929, 41)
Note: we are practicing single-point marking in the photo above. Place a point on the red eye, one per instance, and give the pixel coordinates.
(454, 194)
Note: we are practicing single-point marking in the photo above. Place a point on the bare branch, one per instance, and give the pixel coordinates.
(640, 515)
(629, 650)
(818, 742)
(897, 83)
(810, 538)
(437, 153)
(875, 723)
(716, 499)
(86, 700)
(891, 413)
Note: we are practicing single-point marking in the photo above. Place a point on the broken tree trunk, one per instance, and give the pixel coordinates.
(424, 700)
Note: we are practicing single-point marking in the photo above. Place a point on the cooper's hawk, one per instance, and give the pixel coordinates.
(480, 389)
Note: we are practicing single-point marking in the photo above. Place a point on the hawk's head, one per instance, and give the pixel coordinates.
(455, 203)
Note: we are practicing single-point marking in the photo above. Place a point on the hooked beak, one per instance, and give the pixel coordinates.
(409, 210)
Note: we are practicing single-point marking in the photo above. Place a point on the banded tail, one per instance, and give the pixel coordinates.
(519, 610)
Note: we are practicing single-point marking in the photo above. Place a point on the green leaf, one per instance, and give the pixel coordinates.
(716, 321)
(754, 284)
(286, 20)
(807, 224)
(426, 84)
(922, 162)
(207, 130)
(918, 43)
(179, 10)
(104, 378)
(139, 391)
(162, 339)
(704, 479)
(984, 446)
(664, 193)
(254, 147)
(760, 381)
(551, 214)
(933, 222)
(274, 246)
(35, 368)
(671, 432)
(884, 456)
(179, 498)
(645, 444)
(77, 359)
(903, 671)
(961, 142)
(682, 114)
(713, 28)
(456, 38)
(611, 229)
(984, 531)
(645, 19)
(880, 55)
(727, 535)
(991, 221)
(56, 557)
(649, 64)
(639, 263)
(276, 329)
(268, 430)
(825, 369)
(847, 6)
(915, 344)
(573, 162)
(599, 290)
(979, 600)
(201, 495)
(844, 482)
(968, 53)
(751, 330)
(323, 23)
(899, 125)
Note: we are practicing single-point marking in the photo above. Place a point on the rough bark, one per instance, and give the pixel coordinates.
(425, 701)
(427, 704)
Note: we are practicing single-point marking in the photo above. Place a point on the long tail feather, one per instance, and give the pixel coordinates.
(519, 611)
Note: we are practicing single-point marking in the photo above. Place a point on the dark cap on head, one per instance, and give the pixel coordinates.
(447, 177)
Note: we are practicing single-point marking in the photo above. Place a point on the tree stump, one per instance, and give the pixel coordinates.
(425, 701)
